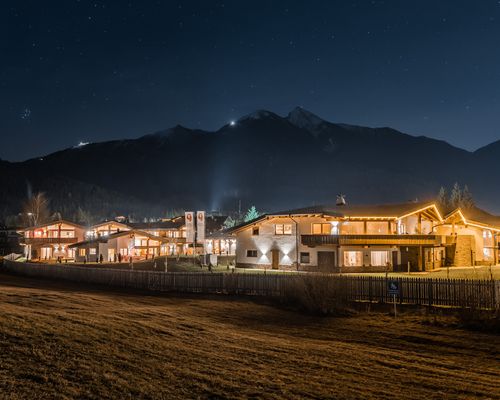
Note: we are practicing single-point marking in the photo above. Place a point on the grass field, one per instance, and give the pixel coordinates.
(59, 340)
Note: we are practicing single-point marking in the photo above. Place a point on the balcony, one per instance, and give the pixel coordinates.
(391, 240)
(48, 240)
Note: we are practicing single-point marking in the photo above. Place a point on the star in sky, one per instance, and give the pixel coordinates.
(26, 114)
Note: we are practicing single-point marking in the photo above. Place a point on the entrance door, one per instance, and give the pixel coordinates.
(395, 266)
(275, 259)
(111, 255)
(46, 253)
(326, 261)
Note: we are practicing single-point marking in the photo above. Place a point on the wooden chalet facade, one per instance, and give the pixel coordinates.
(112, 241)
(123, 246)
(471, 237)
(51, 240)
(392, 237)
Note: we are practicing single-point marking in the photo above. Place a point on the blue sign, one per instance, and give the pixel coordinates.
(393, 287)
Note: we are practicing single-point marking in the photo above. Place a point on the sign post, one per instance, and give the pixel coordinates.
(394, 290)
(200, 231)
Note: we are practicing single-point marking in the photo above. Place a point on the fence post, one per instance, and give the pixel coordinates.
(429, 292)
(497, 295)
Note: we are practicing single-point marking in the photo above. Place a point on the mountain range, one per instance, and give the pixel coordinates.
(262, 159)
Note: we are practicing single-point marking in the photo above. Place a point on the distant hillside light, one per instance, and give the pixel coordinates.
(232, 123)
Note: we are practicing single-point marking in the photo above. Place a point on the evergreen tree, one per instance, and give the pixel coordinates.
(467, 201)
(456, 196)
(442, 198)
(83, 217)
(229, 222)
(251, 214)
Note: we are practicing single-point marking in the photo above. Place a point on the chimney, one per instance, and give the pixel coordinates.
(340, 200)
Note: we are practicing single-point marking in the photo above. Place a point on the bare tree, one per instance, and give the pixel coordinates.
(36, 209)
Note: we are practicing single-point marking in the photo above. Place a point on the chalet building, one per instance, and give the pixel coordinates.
(117, 240)
(105, 228)
(172, 229)
(345, 238)
(471, 237)
(122, 246)
(51, 240)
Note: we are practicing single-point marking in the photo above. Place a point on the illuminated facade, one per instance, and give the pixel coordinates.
(51, 240)
(471, 237)
(122, 246)
(394, 237)
(120, 241)
(346, 238)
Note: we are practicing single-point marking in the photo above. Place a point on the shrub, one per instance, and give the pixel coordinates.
(318, 294)
(479, 320)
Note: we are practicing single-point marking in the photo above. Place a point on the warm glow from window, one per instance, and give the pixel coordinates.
(353, 258)
(379, 258)
(283, 229)
(321, 229)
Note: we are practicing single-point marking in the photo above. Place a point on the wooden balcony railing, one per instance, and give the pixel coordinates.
(392, 240)
(49, 240)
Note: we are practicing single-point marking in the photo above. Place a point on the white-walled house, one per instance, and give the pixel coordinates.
(346, 238)
(121, 246)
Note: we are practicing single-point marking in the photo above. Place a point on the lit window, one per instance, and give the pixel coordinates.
(321, 229)
(283, 229)
(305, 258)
(92, 251)
(377, 227)
(81, 252)
(488, 254)
(353, 258)
(251, 253)
(380, 258)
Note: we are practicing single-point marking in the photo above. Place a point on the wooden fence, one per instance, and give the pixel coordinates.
(484, 294)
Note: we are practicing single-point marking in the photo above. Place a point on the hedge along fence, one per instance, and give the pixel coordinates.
(484, 294)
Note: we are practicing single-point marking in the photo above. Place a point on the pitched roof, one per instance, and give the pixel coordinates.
(105, 239)
(391, 211)
(213, 223)
(111, 222)
(59, 221)
(170, 224)
(396, 210)
(476, 215)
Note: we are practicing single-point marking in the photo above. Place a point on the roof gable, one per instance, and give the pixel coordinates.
(474, 216)
(383, 211)
(60, 221)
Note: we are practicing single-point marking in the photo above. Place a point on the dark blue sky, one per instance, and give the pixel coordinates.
(75, 71)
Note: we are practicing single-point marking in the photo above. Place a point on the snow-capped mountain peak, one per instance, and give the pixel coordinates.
(259, 114)
(303, 118)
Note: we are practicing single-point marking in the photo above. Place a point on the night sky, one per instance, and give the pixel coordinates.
(74, 71)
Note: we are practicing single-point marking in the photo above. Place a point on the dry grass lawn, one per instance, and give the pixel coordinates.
(59, 340)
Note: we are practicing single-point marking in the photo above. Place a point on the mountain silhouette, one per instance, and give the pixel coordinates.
(264, 159)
